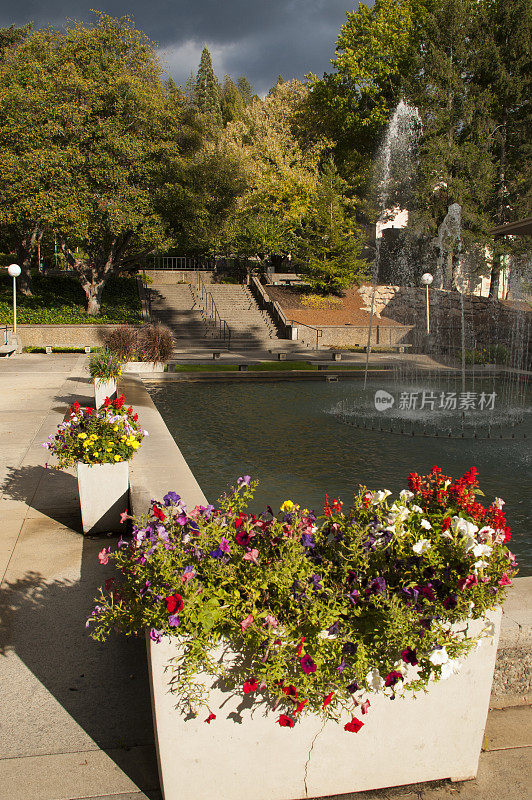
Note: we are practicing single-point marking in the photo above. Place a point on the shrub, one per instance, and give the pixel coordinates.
(155, 343)
(122, 342)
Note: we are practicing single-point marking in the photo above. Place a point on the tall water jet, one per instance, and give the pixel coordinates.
(394, 174)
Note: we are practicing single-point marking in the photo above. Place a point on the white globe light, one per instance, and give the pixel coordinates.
(14, 270)
(427, 279)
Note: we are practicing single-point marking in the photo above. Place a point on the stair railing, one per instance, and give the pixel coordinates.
(207, 300)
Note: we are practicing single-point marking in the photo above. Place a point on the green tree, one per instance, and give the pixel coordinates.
(329, 245)
(246, 89)
(207, 91)
(232, 104)
(87, 138)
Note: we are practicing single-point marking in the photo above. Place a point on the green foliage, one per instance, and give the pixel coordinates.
(207, 91)
(312, 609)
(329, 244)
(106, 436)
(59, 299)
(246, 89)
(105, 365)
(495, 354)
(232, 104)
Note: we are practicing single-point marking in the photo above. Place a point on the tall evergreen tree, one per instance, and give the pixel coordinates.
(232, 104)
(246, 89)
(207, 90)
(329, 246)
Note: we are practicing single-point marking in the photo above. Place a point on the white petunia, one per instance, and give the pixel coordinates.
(405, 495)
(380, 496)
(482, 550)
(485, 533)
(450, 667)
(461, 525)
(439, 657)
(498, 503)
(399, 513)
(421, 547)
(374, 680)
(480, 564)
(426, 524)
(416, 510)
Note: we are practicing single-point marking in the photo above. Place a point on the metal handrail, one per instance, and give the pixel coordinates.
(319, 332)
(211, 309)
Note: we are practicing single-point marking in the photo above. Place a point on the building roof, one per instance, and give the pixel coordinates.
(522, 227)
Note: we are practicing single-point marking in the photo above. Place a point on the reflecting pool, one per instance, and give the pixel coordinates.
(305, 439)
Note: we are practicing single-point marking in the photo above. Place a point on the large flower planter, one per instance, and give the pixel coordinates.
(244, 754)
(103, 388)
(103, 495)
(143, 366)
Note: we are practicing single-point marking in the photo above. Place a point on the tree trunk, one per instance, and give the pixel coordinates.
(93, 290)
(26, 248)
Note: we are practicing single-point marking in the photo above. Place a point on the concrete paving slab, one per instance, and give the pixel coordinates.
(9, 532)
(508, 728)
(68, 776)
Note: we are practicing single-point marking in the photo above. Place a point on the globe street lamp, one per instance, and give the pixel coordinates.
(426, 280)
(14, 270)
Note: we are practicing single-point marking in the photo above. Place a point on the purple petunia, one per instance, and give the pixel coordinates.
(245, 480)
(307, 540)
(174, 620)
(155, 635)
(171, 497)
(378, 586)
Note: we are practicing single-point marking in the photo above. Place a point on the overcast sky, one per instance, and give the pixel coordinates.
(259, 39)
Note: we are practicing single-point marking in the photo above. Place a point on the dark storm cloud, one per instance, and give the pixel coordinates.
(258, 39)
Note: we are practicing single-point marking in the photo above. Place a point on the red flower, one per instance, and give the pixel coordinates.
(308, 665)
(109, 583)
(77, 406)
(290, 691)
(392, 678)
(158, 512)
(210, 718)
(327, 700)
(130, 410)
(301, 706)
(119, 402)
(250, 686)
(364, 706)
(285, 721)
(505, 580)
(88, 411)
(353, 726)
(300, 645)
(174, 603)
(107, 402)
(446, 524)
(135, 417)
(326, 507)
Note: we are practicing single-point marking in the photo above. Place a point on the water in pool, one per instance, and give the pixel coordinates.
(290, 436)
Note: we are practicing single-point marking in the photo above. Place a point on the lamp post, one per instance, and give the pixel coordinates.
(14, 270)
(426, 280)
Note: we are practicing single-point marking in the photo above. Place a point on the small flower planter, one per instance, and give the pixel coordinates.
(143, 366)
(241, 754)
(103, 495)
(103, 388)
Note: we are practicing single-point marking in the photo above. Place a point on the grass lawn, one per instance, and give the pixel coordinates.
(60, 299)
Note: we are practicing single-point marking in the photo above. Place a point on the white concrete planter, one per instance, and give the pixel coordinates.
(103, 388)
(244, 754)
(143, 366)
(103, 495)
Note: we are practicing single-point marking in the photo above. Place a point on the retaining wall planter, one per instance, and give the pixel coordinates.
(64, 335)
(103, 496)
(102, 389)
(143, 366)
(244, 754)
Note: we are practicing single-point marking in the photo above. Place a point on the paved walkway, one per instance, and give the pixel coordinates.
(75, 717)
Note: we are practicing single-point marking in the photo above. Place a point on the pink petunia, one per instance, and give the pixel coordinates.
(270, 621)
(252, 555)
(250, 619)
(103, 555)
(505, 580)
(308, 665)
(364, 706)
(123, 516)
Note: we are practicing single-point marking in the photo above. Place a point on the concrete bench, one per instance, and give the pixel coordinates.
(216, 354)
(396, 348)
(243, 367)
(336, 356)
(281, 356)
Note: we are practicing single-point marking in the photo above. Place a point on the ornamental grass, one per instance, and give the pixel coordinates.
(316, 613)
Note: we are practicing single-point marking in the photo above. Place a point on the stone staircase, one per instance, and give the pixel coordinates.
(184, 310)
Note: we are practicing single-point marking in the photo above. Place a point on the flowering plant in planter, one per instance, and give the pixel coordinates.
(106, 366)
(105, 436)
(317, 612)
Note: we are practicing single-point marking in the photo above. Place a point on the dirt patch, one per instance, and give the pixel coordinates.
(349, 311)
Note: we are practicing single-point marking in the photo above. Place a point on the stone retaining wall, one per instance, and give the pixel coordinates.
(64, 335)
(167, 277)
(353, 335)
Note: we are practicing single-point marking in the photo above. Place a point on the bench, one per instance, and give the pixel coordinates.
(216, 354)
(281, 356)
(243, 367)
(336, 356)
(396, 348)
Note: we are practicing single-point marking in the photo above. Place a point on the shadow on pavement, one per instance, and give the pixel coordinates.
(103, 686)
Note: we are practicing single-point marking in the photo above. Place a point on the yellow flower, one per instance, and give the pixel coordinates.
(88, 443)
(135, 445)
(115, 427)
(82, 435)
(96, 454)
(123, 438)
(118, 458)
(108, 449)
(287, 506)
